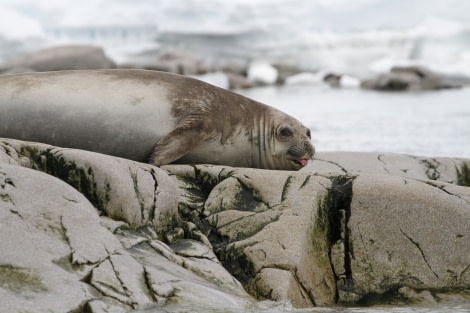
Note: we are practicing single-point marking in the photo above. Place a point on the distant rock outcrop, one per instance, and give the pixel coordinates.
(409, 78)
(73, 57)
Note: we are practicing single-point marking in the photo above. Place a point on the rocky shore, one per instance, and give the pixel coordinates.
(230, 75)
(84, 232)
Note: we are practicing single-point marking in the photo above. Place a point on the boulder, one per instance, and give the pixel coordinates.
(73, 57)
(49, 239)
(180, 62)
(18, 70)
(138, 194)
(285, 71)
(404, 233)
(341, 81)
(411, 78)
(247, 220)
(59, 255)
(237, 81)
(350, 228)
(402, 219)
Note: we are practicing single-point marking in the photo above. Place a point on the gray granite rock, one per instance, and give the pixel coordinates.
(263, 232)
(59, 255)
(405, 233)
(136, 193)
(348, 228)
(449, 170)
(49, 240)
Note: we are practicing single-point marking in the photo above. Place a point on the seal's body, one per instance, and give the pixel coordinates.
(147, 115)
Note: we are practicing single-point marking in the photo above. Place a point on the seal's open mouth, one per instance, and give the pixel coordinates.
(301, 162)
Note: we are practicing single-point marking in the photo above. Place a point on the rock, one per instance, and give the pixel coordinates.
(230, 68)
(237, 81)
(341, 81)
(48, 241)
(184, 281)
(57, 257)
(388, 258)
(350, 228)
(332, 79)
(248, 221)
(412, 78)
(17, 70)
(449, 170)
(60, 58)
(394, 82)
(429, 80)
(285, 71)
(229, 76)
(255, 236)
(427, 250)
(281, 285)
(181, 62)
(138, 194)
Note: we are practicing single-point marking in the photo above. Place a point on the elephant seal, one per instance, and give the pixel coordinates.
(137, 114)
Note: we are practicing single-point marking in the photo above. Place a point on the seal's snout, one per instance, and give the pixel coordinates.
(296, 151)
(301, 154)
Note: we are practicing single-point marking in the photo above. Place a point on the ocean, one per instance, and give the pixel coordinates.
(431, 123)
(273, 307)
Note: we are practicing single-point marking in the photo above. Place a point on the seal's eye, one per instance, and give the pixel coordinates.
(286, 132)
(309, 135)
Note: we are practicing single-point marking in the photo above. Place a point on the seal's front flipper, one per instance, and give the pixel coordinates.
(180, 141)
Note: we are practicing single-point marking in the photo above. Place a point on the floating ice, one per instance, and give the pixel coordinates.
(262, 73)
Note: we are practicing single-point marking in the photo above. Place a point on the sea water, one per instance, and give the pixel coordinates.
(431, 123)
(273, 307)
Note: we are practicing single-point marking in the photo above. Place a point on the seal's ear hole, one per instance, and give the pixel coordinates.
(309, 135)
(286, 132)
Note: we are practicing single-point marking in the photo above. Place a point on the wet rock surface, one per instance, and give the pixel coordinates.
(94, 233)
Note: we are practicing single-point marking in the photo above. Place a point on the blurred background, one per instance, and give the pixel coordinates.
(364, 75)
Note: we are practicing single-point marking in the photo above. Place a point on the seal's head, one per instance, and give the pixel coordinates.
(291, 143)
